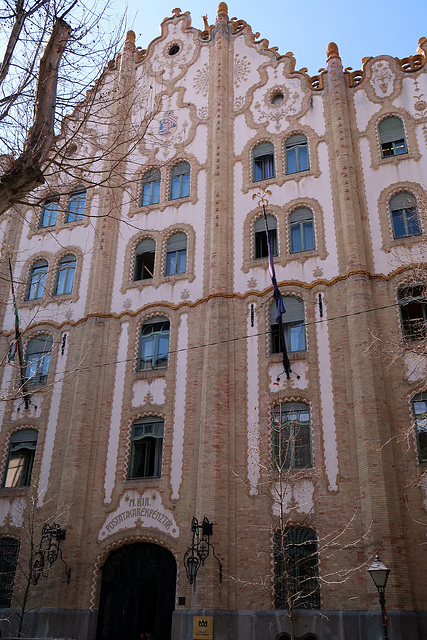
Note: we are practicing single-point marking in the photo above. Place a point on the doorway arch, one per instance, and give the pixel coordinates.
(137, 593)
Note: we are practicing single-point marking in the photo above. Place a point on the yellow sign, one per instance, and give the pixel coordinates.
(203, 628)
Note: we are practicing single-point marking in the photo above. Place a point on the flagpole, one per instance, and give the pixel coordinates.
(18, 343)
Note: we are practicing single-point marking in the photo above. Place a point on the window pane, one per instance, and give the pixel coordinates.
(162, 351)
(182, 255)
(156, 193)
(76, 205)
(185, 185)
(297, 338)
(398, 224)
(303, 158)
(412, 221)
(399, 147)
(175, 188)
(291, 161)
(257, 170)
(171, 263)
(49, 213)
(296, 239)
(308, 236)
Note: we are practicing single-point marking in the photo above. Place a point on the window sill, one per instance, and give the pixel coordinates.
(151, 373)
(292, 355)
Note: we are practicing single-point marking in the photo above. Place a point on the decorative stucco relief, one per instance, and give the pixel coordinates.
(144, 510)
(278, 101)
(174, 52)
(298, 497)
(382, 78)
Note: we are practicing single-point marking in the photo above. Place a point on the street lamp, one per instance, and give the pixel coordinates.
(379, 574)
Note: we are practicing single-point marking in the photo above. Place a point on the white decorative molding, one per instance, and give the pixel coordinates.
(297, 497)
(148, 392)
(327, 399)
(116, 414)
(52, 422)
(253, 404)
(179, 413)
(140, 510)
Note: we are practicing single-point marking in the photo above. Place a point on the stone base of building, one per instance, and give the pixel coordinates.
(50, 624)
(330, 625)
(67, 624)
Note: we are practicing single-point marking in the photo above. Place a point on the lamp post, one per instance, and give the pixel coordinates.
(379, 574)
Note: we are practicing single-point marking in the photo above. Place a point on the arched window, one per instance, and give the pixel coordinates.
(293, 325)
(154, 344)
(301, 230)
(19, 465)
(291, 436)
(404, 215)
(49, 212)
(37, 358)
(180, 181)
(419, 405)
(146, 448)
(150, 192)
(145, 254)
(176, 254)
(263, 161)
(65, 276)
(37, 282)
(296, 150)
(296, 568)
(76, 206)
(413, 311)
(9, 552)
(260, 238)
(392, 137)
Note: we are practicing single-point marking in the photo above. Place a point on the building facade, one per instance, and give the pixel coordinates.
(152, 388)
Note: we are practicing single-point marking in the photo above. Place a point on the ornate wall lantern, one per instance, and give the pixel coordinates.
(48, 552)
(200, 549)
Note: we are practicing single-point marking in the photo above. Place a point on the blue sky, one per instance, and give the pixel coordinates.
(360, 29)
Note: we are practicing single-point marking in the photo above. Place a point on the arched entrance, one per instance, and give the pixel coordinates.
(137, 593)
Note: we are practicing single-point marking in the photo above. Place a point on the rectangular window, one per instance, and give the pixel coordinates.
(146, 448)
(9, 552)
(291, 436)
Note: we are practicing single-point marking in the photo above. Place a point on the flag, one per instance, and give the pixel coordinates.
(280, 307)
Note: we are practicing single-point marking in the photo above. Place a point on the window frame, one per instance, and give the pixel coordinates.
(177, 174)
(259, 238)
(296, 561)
(38, 375)
(297, 221)
(142, 265)
(148, 453)
(420, 423)
(291, 438)
(297, 142)
(37, 284)
(403, 219)
(150, 180)
(75, 214)
(294, 327)
(67, 265)
(51, 211)
(24, 440)
(414, 327)
(159, 359)
(176, 255)
(8, 565)
(263, 161)
(391, 142)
